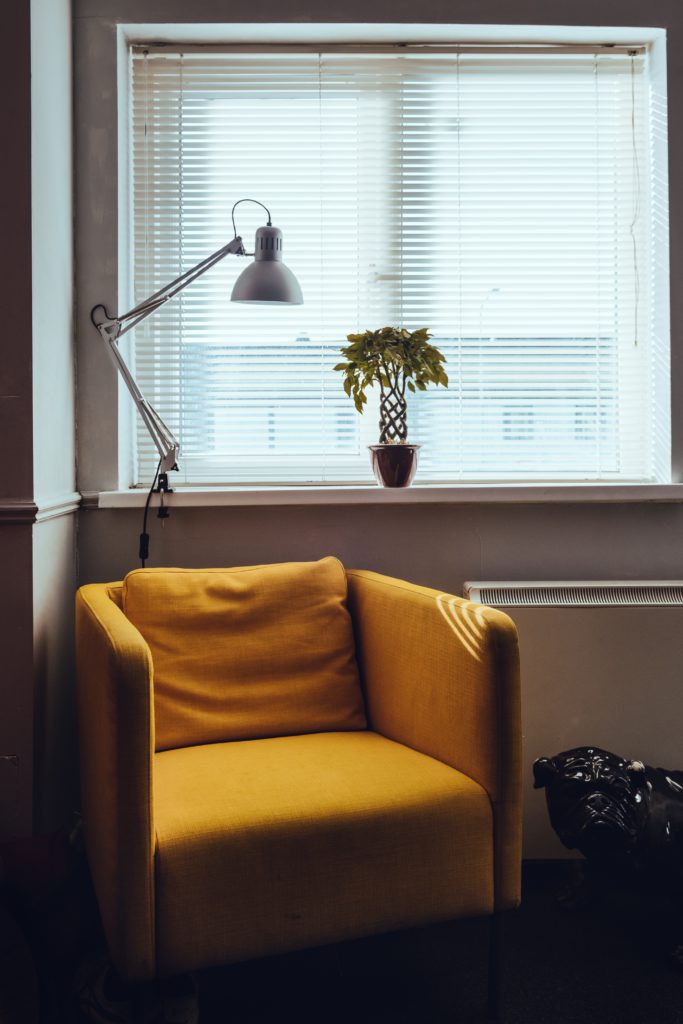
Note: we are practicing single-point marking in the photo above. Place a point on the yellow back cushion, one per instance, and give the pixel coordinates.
(264, 650)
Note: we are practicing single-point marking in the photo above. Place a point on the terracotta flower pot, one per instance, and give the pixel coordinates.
(394, 465)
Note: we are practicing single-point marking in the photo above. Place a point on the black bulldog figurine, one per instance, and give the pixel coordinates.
(626, 818)
(616, 810)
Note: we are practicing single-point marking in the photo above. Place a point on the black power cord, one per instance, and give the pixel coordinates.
(160, 487)
(143, 553)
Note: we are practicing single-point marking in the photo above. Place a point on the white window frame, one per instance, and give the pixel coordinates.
(260, 35)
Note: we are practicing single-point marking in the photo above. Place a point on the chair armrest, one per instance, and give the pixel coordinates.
(116, 727)
(441, 675)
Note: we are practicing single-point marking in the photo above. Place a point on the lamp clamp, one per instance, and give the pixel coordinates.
(162, 485)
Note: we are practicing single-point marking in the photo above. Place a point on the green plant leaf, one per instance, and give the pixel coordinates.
(390, 357)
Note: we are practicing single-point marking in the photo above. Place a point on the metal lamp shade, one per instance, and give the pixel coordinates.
(267, 283)
(267, 280)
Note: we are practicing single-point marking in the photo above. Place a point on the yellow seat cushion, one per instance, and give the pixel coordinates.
(247, 653)
(278, 844)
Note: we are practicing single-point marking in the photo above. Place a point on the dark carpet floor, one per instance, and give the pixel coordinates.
(599, 965)
(603, 964)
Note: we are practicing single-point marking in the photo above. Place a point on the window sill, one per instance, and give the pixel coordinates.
(424, 494)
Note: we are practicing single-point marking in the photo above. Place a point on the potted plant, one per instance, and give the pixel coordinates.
(397, 360)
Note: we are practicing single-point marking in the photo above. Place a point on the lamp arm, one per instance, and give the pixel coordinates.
(164, 440)
(111, 329)
(148, 306)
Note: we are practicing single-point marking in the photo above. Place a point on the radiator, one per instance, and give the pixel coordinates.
(602, 665)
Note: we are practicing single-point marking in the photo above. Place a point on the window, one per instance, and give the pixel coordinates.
(510, 199)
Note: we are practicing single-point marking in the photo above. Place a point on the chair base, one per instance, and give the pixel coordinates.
(103, 998)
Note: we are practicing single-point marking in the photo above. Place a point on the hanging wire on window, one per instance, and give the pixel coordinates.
(321, 257)
(459, 232)
(598, 256)
(180, 305)
(636, 201)
(148, 158)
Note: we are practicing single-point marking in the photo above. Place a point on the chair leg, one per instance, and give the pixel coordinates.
(495, 994)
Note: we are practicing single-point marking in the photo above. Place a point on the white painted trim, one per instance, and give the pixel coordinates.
(433, 494)
(576, 593)
(172, 29)
(26, 511)
(90, 500)
(61, 505)
(105, 27)
(21, 511)
(424, 49)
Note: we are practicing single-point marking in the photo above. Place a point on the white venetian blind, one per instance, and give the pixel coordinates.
(503, 200)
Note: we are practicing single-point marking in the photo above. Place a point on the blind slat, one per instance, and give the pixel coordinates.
(511, 202)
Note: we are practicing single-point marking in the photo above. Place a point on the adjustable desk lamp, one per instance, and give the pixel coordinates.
(266, 281)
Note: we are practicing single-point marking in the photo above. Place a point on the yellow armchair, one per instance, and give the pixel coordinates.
(400, 805)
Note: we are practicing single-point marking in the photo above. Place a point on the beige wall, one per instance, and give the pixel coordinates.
(608, 677)
(37, 422)
(611, 677)
(439, 546)
(16, 682)
(16, 480)
(53, 542)
(436, 545)
(97, 156)
(54, 428)
(56, 795)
